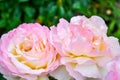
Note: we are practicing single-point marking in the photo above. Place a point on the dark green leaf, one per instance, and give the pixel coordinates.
(2, 23)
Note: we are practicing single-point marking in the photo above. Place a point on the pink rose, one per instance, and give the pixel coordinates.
(26, 53)
(84, 46)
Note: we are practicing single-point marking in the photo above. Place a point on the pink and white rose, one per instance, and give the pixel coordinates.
(26, 53)
(84, 46)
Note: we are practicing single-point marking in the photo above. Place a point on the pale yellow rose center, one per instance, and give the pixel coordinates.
(97, 44)
(27, 48)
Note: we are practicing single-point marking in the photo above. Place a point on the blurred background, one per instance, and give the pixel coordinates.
(48, 12)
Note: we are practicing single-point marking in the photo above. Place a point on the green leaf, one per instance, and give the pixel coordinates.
(29, 11)
(111, 25)
(2, 23)
(5, 15)
(61, 11)
(76, 5)
(22, 1)
(81, 7)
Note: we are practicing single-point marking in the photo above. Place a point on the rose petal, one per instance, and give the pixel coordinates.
(61, 74)
(74, 74)
(88, 70)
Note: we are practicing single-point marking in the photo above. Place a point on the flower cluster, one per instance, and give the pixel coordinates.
(75, 50)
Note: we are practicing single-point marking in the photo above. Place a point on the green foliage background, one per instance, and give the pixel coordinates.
(48, 12)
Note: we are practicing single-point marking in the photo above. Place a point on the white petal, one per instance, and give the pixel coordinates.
(88, 70)
(74, 74)
(115, 50)
(77, 19)
(60, 74)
